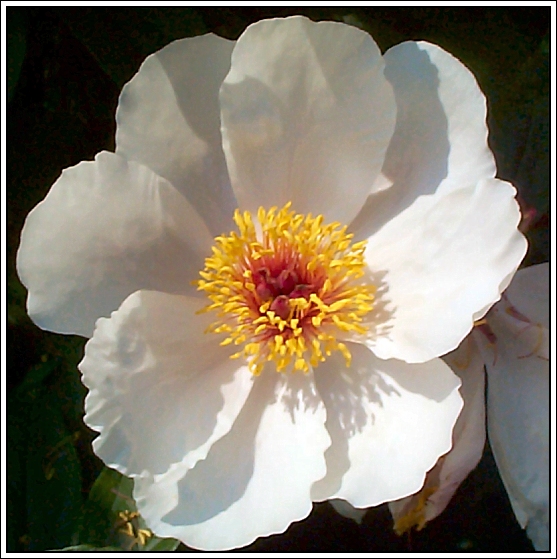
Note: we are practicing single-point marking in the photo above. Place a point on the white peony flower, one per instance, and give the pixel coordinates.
(513, 344)
(371, 233)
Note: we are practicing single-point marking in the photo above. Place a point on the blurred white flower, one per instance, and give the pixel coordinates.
(517, 367)
(513, 343)
(310, 119)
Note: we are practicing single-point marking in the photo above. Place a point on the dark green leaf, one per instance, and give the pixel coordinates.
(87, 547)
(44, 473)
(161, 544)
(52, 475)
(99, 516)
(109, 509)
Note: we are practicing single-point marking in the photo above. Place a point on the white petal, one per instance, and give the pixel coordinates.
(440, 139)
(255, 481)
(529, 293)
(438, 263)
(518, 413)
(307, 116)
(106, 229)
(468, 444)
(168, 118)
(161, 391)
(389, 422)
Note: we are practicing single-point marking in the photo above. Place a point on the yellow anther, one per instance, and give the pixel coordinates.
(316, 320)
(286, 253)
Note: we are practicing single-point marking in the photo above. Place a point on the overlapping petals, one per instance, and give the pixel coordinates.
(512, 344)
(106, 229)
(440, 169)
(298, 112)
(443, 480)
(456, 262)
(440, 140)
(255, 481)
(387, 422)
(143, 400)
(170, 122)
(303, 120)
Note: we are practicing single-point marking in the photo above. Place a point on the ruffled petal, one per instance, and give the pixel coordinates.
(307, 117)
(440, 139)
(468, 443)
(438, 265)
(255, 481)
(518, 407)
(161, 391)
(389, 422)
(106, 229)
(168, 118)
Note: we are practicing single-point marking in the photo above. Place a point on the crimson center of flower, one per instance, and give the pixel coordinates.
(287, 289)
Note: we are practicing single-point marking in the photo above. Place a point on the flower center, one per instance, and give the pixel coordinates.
(288, 289)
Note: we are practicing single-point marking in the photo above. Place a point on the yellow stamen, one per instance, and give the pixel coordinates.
(288, 291)
(415, 517)
(129, 522)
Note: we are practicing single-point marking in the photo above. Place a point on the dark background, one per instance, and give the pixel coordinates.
(66, 67)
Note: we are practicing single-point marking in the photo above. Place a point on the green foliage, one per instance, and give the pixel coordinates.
(109, 517)
(44, 485)
(87, 547)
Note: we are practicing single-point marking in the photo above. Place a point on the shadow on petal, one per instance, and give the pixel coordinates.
(379, 321)
(417, 158)
(381, 410)
(151, 372)
(224, 477)
(347, 393)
